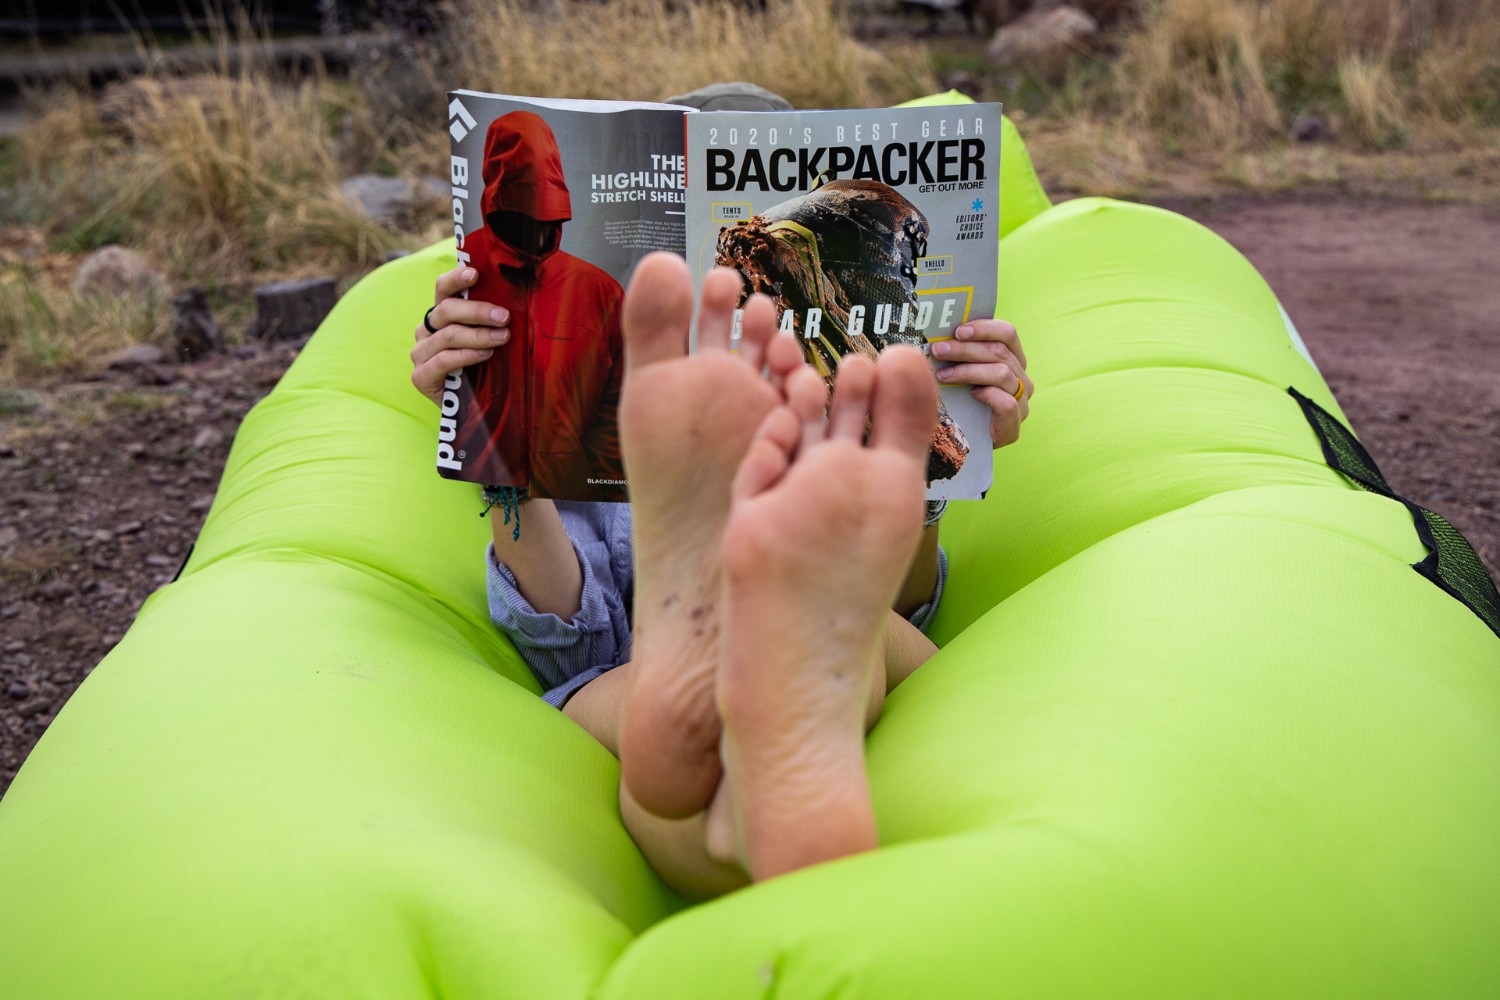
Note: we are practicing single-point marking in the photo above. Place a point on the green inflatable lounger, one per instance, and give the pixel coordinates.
(1198, 727)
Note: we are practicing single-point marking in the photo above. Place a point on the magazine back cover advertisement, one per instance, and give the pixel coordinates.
(554, 201)
(867, 228)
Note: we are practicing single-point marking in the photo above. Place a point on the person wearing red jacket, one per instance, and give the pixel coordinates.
(543, 410)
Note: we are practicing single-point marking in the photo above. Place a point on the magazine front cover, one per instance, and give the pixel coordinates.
(867, 228)
(554, 201)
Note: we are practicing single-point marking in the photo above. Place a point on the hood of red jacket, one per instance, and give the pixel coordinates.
(523, 169)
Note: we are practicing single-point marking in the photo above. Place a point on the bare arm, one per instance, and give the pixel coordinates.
(542, 559)
(987, 356)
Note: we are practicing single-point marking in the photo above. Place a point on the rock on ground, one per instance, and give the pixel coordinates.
(1042, 41)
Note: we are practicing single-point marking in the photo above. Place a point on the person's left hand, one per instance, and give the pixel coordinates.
(986, 355)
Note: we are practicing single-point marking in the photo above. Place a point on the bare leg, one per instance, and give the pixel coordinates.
(685, 423)
(816, 548)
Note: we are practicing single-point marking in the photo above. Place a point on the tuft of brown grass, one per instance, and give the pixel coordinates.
(1217, 83)
(651, 49)
(46, 330)
(214, 175)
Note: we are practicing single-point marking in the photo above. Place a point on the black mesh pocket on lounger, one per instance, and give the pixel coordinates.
(1451, 561)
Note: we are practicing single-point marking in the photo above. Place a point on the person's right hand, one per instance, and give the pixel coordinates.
(467, 333)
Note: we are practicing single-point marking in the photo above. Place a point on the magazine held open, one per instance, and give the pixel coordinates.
(867, 228)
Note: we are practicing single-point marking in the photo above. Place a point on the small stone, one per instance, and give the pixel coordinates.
(395, 202)
(734, 96)
(17, 690)
(1310, 128)
(202, 503)
(129, 528)
(160, 561)
(114, 271)
(208, 437)
(21, 660)
(9, 535)
(17, 401)
(11, 610)
(103, 565)
(1043, 41)
(102, 535)
(15, 645)
(55, 590)
(155, 375)
(194, 332)
(139, 356)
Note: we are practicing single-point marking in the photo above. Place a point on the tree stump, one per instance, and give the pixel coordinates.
(287, 310)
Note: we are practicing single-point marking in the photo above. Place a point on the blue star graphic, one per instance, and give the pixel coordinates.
(978, 205)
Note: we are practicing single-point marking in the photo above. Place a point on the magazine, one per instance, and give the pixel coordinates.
(866, 228)
(554, 202)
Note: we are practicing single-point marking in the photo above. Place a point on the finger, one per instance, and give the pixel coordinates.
(429, 376)
(450, 283)
(658, 308)
(996, 330)
(1000, 376)
(852, 387)
(721, 296)
(1005, 414)
(468, 312)
(904, 410)
(459, 337)
(975, 352)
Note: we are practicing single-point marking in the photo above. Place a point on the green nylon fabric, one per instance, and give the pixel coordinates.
(1197, 728)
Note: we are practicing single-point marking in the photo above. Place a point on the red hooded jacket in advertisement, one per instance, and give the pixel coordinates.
(543, 408)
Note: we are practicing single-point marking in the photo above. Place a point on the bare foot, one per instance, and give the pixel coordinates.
(685, 423)
(822, 529)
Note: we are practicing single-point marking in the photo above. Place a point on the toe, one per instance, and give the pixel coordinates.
(904, 409)
(657, 310)
(806, 396)
(783, 357)
(768, 455)
(852, 389)
(721, 294)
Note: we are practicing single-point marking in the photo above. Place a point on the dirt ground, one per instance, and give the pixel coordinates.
(104, 484)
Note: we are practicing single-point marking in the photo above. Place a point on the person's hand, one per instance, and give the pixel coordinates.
(467, 333)
(986, 355)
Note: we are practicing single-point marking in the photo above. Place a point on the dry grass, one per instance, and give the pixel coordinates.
(651, 49)
(230, 178)
(1213, 86)
(1234, 72)
(218, 177)
(45, 329)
